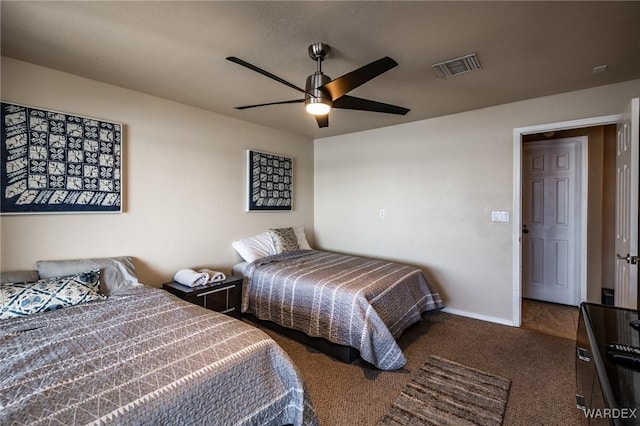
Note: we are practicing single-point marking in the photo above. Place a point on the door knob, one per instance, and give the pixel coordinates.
(524, 229)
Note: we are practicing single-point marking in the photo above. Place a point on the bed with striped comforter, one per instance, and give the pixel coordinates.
(145, 358)
(354, 301)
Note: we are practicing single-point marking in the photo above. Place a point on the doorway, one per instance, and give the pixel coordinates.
(554, 214)
(547, 131)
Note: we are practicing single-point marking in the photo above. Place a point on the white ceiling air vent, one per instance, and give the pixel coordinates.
(453, 67)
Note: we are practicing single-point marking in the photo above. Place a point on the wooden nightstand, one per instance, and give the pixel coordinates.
(225, 296)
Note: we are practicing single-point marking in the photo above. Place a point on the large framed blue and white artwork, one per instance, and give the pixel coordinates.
(270, 182)
(54, 162)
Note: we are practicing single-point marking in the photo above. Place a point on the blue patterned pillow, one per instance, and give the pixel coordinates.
(22, 299)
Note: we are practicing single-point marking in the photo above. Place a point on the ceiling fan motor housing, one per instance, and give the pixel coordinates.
(315, 94)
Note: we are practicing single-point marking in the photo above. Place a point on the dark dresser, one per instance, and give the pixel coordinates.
(607, 392)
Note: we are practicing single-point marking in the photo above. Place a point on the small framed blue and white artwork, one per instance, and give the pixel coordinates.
(270, 182)
(54, 162)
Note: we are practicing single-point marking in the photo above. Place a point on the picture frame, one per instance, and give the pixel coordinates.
(56, 162)
(269, 182)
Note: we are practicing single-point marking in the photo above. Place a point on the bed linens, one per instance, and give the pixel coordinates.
(145, 358)
(353, 301)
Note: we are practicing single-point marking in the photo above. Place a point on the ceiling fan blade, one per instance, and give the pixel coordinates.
(351, 102)
(350, 81)
(263, 72)
(294, 101)
(323, 120)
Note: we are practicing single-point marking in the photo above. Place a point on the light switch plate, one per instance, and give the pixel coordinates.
(500, 216)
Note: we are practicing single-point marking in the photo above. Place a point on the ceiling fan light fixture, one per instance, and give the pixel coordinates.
(317, 106)
(316, 101)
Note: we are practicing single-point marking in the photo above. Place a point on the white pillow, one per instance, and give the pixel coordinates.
(252, 248)
(302, 239)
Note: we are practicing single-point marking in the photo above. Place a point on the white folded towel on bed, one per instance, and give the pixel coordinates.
(191, 278)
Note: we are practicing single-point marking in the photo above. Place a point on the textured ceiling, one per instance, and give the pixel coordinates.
(177, 50)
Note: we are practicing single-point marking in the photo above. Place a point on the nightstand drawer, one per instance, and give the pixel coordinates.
(224, 297)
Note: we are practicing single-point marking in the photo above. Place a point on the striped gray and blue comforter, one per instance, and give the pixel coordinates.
(353, 301)
(145, 358)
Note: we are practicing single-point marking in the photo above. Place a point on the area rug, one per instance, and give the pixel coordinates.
(444, 392)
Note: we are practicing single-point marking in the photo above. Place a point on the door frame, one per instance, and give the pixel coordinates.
(517, 203)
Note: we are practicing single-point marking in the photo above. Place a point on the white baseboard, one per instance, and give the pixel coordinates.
(478, 316)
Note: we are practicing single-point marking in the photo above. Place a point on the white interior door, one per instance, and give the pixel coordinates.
(627, 176)
(551, 218)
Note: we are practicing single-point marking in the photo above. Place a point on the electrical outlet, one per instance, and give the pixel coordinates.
(382, 213)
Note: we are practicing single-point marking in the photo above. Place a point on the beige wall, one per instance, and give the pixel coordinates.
(438, 181)
(184, 181)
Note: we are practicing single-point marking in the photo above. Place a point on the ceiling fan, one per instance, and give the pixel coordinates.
(321, 93)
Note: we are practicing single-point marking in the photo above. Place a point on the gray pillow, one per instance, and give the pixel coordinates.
(118, 275)
(19, 277)
(284, 239)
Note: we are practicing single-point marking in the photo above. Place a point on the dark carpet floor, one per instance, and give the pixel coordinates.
(541, 369)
